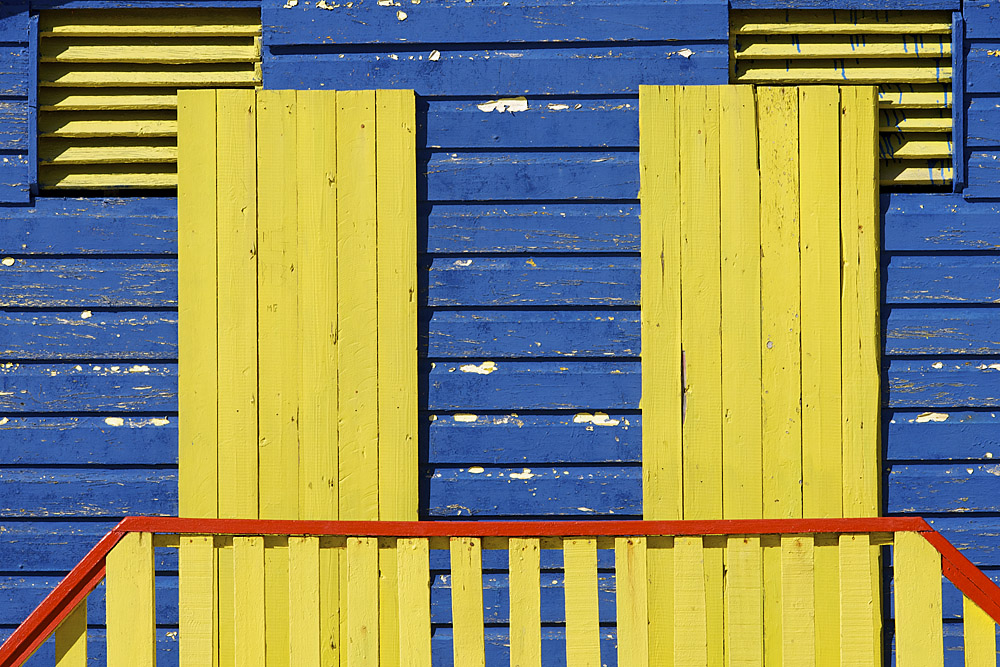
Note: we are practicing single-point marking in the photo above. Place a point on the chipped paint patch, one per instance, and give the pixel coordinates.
(434, 56)
(290, 4)
(937, 364)
(983, 367)
(8, 261)
(584, 509)
(524, 474)
(432, 418)
(139, 369)
(686, 53)
(463, 262)
(511, 104)
(465, 417)
(86, 315)
(159, 421)
(400, 15)
(994, 52)
(477, 470)
(323, 5)
(114, 421)
(558, 107)
(597, 419)
(3, 421)
(484, 368)
(931, 417)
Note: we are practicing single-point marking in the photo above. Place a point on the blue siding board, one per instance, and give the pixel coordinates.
(14, 69)
(982, 19)
(984, 175)
(14, 21)
(984, 121)
(983, 67)
(942, 435)
(959, 278)
(34, 546)
(880, 5)
(79, 441)
(87, 492)
(942, 487)
(14, 126)
(495, 21)
(167, 648)
(53, 387)
(945, 383)
(36, 587)
(958, 107)
(942, 331)
(102, 336)
(15, 177)
(79, 282)
(497, 645)
(938, 222)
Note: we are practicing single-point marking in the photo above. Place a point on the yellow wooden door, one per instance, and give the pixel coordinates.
(298, 341)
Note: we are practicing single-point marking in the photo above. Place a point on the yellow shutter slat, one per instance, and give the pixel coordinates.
(843, 71)
(107, 152)
(224, 75)
(170, 22)
(152, 52)
(918, 121)
(902, 173)
(913, 146)
(909, 96)
(836, 46)
(83, 177)
(88, 125)
(113, 99)
(839, 22)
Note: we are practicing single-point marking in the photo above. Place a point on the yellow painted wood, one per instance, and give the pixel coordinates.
(916, 120)
(698, 132)
(856, 603)
(415, 602)
(276, 611)
(905, 174)
(333, 592)
(197, 318)
(690, 630)
(631, 601)
(111, 150)
(87, 124)
(740, 256)
(197, 600)
(396, 211)
(145, 50)
(819, 242)
(917, 584)
(744, 597)
(131, 602)
(525, 602)
(583, 637)
(357, 340)
(225, 641)
(660, 598)
(771, 557)
(834, 72)
(162, 22)
(906, 96)
(914, 146)
(835, 46)
(71, 638)
(362, 602)
(659, 174)
(780, 306)
(303, 597)
(222, 75)
(827, 591)
(84, 177)
(980, 634)
(120, 99)
(467, 601)
(798, 620)
(839, 22)
(248, 600)
(715, 608)
(388, 602)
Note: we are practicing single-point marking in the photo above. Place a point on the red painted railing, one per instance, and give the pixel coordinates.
(75, 587)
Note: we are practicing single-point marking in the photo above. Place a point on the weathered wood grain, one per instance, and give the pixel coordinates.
(923, 221)
(14, 70)
(946, 434)
(15, 178)
(928, 382)
(107, 335)
(982, 19)
(14, 21)
(97, 388)
(960, 486)
(72, 282)
(941, 279)
(982, 117)
(87, 492)
(846, 4)
(982, 68)
(984, 174)
(54, 440)
(943, 331)
(13, 123)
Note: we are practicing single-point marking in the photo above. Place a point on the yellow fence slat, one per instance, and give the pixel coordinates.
(197, 600)
(690, 629)
(583, 638)
(980, 634)
(798, 621)
(715, 607)
(357, 339)
(467, 601)
(744, 596)
(771, 547)
(388, 601)
(916, 570)
(660, 598)
(740, 255)
(362, 602)
(303, 602)
(248, 600)
(525, 602)
(131, 602)
(414, 602)
(827, 591)
(659, 174)
(197, 393)
(71, 638)
(631, 601)
(856, 605)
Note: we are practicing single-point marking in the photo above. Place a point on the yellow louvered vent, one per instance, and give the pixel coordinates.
(107, 88)
(907, 54)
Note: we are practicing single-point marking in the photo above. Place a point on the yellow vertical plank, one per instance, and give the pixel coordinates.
(362, 602)
(819, 195)
(779, 278)
(248, 600)
(916, 570)
(583, 636)
(698, 132)
(71, 639)
(690, 627)
(396, 210)
(303, 596)
(197, 600)
(771, 560)
(660, 594)
(740, 255)
(525, 602)
(860, 300)
(798, 620)
(318, 475)
(388, 602)
(357, 340)
(715, 608)
(631, 601)
(980, 636)
(744, 595)
(414, 602)
(856, 609)
(827, 591)
(659, 177)
(197, 387)
(467, 601)
(225, 640)
(131, 602)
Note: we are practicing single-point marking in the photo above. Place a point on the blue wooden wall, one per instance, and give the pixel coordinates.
(528, 224)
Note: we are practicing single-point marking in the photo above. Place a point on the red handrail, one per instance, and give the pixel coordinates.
(82, 579)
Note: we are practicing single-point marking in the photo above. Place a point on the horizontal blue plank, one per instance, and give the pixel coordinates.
(497, 646)
(931, 383)
(14, 70)
(573, 491)
(978, 538)
(605, 70)
(88, 388)
(880, 5)
(48, 545)
(557, 175)
(143, 4)
(548, 122)
(511, 439)
(940, 331)
(102, 335)
(13, 122)
(983, 117)
(982, 68)
(456, 21)
(167, 648)
(982, 19)
(560, 227)
(942, 487)
(942, 434)
(946, 279)
(29, 281)
(15, 178)
(116, 225)
(984, 175)
(539, 385)
(14, 21)
(29, 441)
(25, 592)
(87, 492)
(916, 221)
